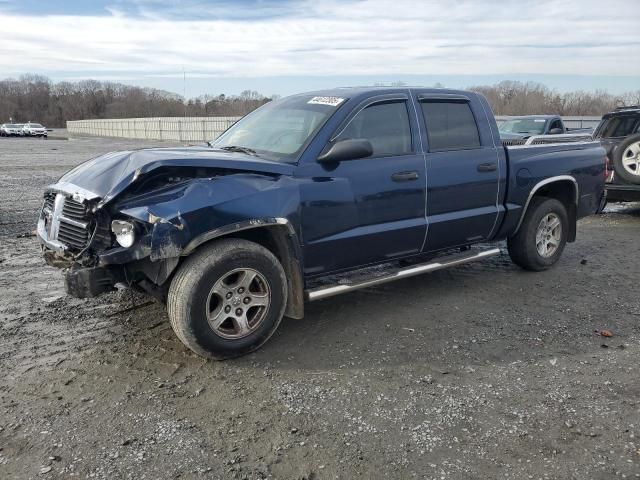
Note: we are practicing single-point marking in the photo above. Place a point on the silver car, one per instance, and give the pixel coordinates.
(11, 130)
(34, 130)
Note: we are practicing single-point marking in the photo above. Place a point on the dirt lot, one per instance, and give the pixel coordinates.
(478, 372)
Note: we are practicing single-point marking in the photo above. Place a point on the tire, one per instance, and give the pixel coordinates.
(526, 245)
(626, 160)
(206, 320)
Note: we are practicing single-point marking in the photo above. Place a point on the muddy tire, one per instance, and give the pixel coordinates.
(227, 299)
(539, 242)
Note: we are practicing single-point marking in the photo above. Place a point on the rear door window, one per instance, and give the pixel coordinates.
(450, 125)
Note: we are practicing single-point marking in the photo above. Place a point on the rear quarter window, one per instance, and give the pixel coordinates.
(620, 126)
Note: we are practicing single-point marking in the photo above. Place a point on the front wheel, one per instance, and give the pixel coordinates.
(539, 242)
(227, 299)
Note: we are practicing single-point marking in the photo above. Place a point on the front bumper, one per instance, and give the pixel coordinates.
(89, 282)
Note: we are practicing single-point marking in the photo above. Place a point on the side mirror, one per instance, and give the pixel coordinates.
(555, 131)
(350, 149)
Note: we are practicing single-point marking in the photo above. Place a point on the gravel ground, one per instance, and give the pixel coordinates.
(482, 371)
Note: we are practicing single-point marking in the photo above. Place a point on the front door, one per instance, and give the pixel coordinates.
(368, 210)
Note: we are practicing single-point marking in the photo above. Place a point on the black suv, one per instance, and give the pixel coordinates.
(619, 133)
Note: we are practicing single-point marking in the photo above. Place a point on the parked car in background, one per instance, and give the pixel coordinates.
(34, 130)
(11, 130)
(619, 134)
(523, 127)
(297, 200)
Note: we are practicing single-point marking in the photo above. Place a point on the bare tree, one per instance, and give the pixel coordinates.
(36, 98)
(529, 98)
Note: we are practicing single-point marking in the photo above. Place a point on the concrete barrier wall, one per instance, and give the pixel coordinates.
(182, 129)
(202, 129)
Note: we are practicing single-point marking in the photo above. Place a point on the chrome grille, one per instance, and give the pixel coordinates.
(513, 142)
(74, 210)
(66, 221)
(49, 199)
(76, 237)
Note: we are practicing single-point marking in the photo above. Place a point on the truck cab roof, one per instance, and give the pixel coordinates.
(361, 93)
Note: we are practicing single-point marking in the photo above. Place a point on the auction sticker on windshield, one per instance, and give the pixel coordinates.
(331, 101)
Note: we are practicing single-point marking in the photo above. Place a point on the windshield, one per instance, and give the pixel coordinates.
(620, 126)
(533, 126)
(35, 125)
(281, 129)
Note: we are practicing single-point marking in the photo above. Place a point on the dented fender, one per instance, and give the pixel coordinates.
(179, 218)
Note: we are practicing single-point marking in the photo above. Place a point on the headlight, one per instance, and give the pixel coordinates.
(125, 232)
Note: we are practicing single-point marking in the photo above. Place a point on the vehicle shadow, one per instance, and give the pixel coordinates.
(489, 312)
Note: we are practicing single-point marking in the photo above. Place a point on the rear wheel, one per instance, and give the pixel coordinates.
(227, 299)
(539, 242)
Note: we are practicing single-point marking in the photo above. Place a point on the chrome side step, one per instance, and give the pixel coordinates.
(445, 262)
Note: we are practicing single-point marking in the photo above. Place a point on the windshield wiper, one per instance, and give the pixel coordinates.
(236, 148)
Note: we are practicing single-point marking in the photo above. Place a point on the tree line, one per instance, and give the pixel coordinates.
(36, 98)
(530, 98)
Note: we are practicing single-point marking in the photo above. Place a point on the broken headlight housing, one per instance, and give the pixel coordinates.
(125, 232)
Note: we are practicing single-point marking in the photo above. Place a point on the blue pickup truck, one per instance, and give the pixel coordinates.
(311, 196)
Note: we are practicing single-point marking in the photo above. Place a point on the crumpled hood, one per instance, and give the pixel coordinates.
(108, 175)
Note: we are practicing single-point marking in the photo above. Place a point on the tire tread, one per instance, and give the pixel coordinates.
(188, 275)
(522, 252)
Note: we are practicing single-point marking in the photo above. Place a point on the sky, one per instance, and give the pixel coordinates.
(284, 47)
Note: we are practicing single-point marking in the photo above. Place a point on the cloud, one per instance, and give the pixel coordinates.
(363, 37)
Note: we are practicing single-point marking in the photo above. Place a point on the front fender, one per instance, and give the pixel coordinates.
(180, 218)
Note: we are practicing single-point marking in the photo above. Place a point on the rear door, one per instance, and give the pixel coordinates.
(464, 171)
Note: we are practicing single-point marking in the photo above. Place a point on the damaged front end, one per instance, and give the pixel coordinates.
(128, 217)
(71, 232)
(100, 247)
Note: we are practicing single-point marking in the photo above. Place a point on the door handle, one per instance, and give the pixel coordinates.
(404, 176)
(487, 167)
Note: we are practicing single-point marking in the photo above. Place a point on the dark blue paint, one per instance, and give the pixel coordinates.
(349, 214)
